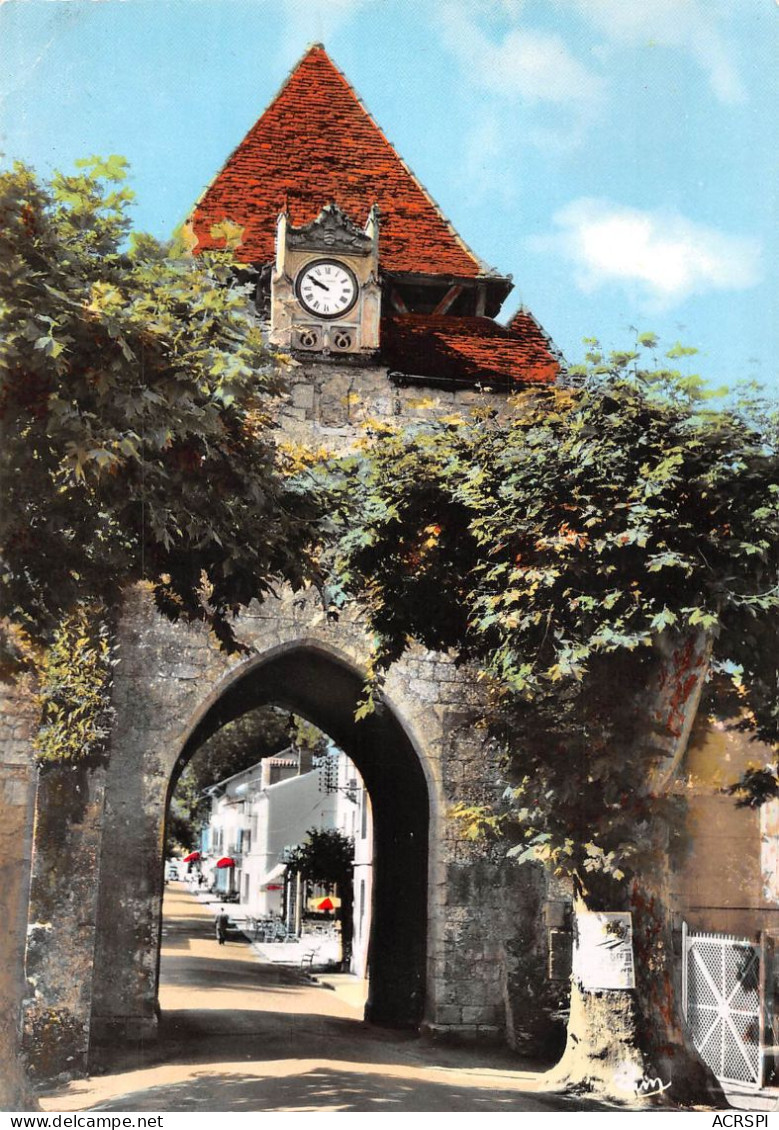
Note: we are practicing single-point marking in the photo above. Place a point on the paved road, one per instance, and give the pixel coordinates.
(239, 1034)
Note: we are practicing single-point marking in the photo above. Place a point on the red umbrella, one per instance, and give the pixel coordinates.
(225, 861)
(192, 857)
(325, 904)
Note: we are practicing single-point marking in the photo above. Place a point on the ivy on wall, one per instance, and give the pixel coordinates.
(75, 675)
(563, 550)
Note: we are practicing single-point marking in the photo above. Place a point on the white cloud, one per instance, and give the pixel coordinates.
(485, 171)
(664, 255)
(533, 65)
(686, 25)
(537, 87)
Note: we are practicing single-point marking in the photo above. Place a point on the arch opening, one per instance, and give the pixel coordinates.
(316, 685)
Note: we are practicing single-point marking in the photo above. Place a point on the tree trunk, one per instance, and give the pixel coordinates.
(602, 1051)
(662, 1028)
(630, 1045)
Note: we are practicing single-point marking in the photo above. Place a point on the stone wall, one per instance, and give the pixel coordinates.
(17, 797)
(62, 927)
(464, 955)
(331, 404)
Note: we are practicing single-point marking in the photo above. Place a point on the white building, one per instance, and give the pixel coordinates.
(363, 884)
(269, 807)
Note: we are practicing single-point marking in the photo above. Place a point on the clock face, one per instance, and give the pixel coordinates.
(326, 288)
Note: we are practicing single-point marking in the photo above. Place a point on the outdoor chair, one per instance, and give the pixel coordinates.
(307, 959)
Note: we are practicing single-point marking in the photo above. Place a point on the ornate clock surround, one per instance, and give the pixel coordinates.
(335, 239)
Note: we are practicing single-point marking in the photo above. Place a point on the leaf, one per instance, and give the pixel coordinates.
(231, 233)
(113, 168)
(364, 709)
(662, 620)
(704, 618)
(678, 350)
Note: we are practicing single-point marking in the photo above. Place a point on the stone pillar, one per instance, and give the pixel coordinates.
(128, 915)
(164, 672)
(62, 916)
(17, 798)
(487, 949)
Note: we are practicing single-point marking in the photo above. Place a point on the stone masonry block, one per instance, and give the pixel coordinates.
(474, 1015)
(15, 791)
(449, 1014)
(423, 689)
(303, 395)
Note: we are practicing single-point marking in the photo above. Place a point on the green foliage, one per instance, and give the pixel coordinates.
(553, 549)
(74, 688)
(246, 740)
(326, 856)
(307, 738)
(479, 822)
(181, 830)
(136, 401)
(757, 787)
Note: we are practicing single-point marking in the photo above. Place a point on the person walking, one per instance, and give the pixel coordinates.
(222, 919)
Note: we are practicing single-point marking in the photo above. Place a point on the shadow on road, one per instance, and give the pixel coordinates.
(324, 1089)
(238, 1033)
(235, 973)
(261, 1036)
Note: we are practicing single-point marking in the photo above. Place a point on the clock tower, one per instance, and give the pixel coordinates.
(325, 293)
(358, 273)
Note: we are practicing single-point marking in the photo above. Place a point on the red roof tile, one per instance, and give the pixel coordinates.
(317, 144)
(470, 350)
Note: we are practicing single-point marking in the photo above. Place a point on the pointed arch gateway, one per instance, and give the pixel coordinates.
(171, 693)
(311, 681)
(458, 942)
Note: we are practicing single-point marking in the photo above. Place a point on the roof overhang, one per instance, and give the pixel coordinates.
(496, 287)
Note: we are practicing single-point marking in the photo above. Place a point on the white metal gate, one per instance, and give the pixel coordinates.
(723, 1003)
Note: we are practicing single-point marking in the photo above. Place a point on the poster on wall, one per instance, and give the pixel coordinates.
(603, 951)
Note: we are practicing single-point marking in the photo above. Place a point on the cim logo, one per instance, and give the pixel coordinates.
(649, 1086)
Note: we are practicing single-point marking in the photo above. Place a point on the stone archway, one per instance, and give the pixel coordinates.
(468, 951)
(173, 689)
(320, 686)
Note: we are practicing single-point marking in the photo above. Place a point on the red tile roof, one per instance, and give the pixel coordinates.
(317, 144)
(470, 350)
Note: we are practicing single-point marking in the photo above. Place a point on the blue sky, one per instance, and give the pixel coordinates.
(617, 157)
